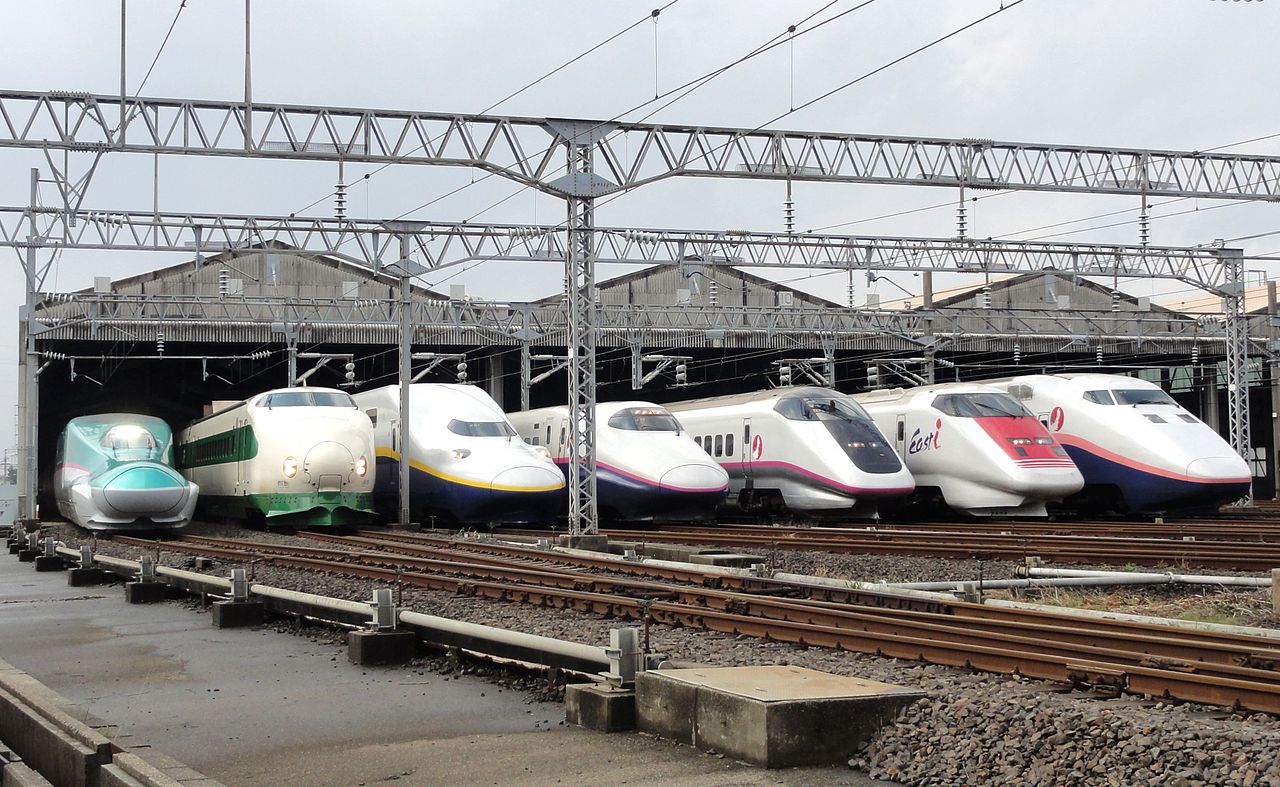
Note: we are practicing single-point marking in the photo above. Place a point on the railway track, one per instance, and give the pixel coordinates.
(963, 543)
(1210, 668)
(1199, 529)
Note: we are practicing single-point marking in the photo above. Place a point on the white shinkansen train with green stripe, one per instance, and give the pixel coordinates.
(291, 457)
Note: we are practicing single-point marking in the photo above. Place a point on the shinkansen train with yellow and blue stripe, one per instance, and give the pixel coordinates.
(467, 464)
(292, 457)
(115, 472)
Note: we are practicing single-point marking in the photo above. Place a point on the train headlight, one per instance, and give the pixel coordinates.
(289, 467)
(362, 466)
(541, 450)
(1020, 440)
(460, 453)
(1044, 441)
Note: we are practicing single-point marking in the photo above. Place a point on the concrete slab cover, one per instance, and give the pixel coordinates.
(783, 684)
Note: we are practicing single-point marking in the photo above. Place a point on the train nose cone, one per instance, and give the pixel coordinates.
(328, 465)
(694, 478)
(1218, 467)
(528, 478)
(145, 488)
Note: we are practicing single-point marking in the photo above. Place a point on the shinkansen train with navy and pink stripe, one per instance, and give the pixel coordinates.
(974, 448)
(813, 451)
(1138, 450)
(647, 466)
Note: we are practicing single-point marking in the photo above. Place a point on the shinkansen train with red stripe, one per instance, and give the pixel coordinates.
(647, 467)
(814, 451)
(1139, 451)
(974, 448)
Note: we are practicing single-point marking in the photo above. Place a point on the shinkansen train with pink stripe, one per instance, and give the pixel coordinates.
(647, 466)
(814, 451)
(974, 448)
(1138, 450)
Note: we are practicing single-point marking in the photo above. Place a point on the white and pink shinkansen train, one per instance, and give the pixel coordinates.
(1139, 451)
(975, 448)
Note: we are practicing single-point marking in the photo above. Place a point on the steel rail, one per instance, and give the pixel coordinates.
(832, 625)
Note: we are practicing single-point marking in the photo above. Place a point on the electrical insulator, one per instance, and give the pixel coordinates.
(1017, 354)
(1099, 356)
(682, 373)
(462, 371)
(159, 343)
(224, 282)
(986, 296)
(1195, 354)
(873, 377)
(351, 371)
(713, 294)
(784, 375)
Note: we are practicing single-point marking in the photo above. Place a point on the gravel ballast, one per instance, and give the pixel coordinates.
(973, 728)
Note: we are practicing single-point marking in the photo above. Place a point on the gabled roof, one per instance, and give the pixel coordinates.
(1255, 302)
(625, 279)
(958, 296)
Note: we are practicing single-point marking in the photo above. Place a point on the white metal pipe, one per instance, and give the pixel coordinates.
(1004, 584)
(1181, 579)
(327, 602)
(564, 648)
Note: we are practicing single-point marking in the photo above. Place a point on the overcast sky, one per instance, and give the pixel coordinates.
(1173, 74)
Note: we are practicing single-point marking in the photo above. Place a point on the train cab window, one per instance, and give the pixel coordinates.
(1135, 396)
(332, 399)
(644, 419)
(728, 445)
(373, 416)
(481, 428)
(719, 445)
(129, 441)
(980, 405)
(307, 399)
(1098, 397)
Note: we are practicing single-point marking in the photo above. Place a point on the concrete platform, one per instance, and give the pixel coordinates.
(253, 707)
(770, 716)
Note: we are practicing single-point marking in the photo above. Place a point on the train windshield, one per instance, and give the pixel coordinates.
(1144, 396)
(813, 408)
(481, 428)
(307, 399)
(850, 425)
(129, 441)
(980, 405)
(644, 419)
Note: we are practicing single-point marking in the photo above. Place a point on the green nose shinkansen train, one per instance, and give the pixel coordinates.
(115, 472)
(291, 457)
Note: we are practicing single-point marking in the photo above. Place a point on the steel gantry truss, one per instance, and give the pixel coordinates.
(629, 155)
(438, 245)
(602, 158)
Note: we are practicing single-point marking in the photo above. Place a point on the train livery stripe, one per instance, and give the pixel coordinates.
(787, 466)
(649, 481)
(234, 445)
(1132, 464)
(387, 453)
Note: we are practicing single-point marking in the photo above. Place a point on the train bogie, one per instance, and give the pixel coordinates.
(466, 463)
(976, 448)
(115, 472)
(1138, 450)
(647, 467)
(810, 450)
(293, 457)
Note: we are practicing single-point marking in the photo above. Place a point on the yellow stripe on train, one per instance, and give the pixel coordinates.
(387, 453)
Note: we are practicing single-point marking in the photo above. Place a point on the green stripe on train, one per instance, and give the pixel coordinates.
(296, 509)
(233, 445)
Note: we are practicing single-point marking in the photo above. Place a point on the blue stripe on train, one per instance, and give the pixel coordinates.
(1148, 492)
(430, 495)
(631, 499)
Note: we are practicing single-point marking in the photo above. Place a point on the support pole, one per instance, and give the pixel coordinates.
(248, 84)
(406, 381)
(1273, 466)
(526, 375)
(29, 415)
(1237, 356)
(580, 187)
(123, 87)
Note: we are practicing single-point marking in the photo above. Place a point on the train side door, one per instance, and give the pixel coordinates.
(748, 451)
(900, 436)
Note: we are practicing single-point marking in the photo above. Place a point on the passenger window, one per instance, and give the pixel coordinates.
(719, 445)
(548, 433)
(698, 440)
(562, 436)
(373, 416)
(902, 431)
(728, 445)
